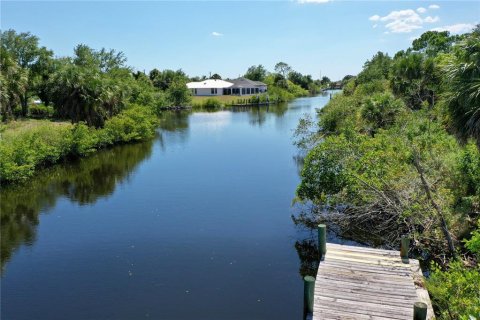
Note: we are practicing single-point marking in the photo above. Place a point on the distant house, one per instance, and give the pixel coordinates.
(243, 86)
(210, 87)
(240, 86)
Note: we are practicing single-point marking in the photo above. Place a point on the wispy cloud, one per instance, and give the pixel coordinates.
(430, 19)
(458, 28)
(421, 10)
(312, 1)
(402, 21)
(434, 6)
(374, 18)
(217, 34)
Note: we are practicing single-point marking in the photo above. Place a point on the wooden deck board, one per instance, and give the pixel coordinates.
(366, 283)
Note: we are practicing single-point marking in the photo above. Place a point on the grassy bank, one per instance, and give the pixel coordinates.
(224, 100)
(26, 146)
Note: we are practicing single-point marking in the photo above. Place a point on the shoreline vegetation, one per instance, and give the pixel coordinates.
(396, 154)
(58, 108)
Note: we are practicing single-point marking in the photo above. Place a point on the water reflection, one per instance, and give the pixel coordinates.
(83, 181)
(258, 114)
(306, 220)
(86, 180)
(175, 121)
(212, 121)
(174, 127)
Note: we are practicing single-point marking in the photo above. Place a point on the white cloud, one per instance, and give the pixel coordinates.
(458, 28)
(433, 6)
(312, 1)
(430, 19)
(402, 21)
(375, 25)
(217, 34)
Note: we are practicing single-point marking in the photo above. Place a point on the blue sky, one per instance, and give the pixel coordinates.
(333, 38)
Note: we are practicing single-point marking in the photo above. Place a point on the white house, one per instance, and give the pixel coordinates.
(210, 87)
(240, 86)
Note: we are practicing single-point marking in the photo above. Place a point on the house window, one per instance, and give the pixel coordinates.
(243, 90)
(256, 90)
(213, 91)
(195, 91)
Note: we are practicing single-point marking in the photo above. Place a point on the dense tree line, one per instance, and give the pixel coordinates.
(101, 101)
(284, 77)
(397, 154)
(95, 85)
(91, 86)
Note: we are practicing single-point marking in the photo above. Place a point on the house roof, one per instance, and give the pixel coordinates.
(210, 83)
(246, 83)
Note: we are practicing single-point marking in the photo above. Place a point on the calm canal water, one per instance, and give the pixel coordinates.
(195, 224)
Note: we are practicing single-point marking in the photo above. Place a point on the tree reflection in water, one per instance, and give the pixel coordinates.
(258, 114)
(83, 181)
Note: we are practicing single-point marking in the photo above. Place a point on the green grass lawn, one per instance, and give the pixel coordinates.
(222, 99)
(25, 125)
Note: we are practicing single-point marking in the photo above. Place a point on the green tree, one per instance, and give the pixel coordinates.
(178, 94)
(377, 68)
(91, 87)
(325, 80)
(256, 73)
(216, 76)
(380, 111)
(163, 79)
(462, 87)
(24, 48)
(434, 42)
(414, 77)
(297, 78)
(13, 83)
(283, 69)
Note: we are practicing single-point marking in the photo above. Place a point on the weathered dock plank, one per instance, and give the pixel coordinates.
(366, 283)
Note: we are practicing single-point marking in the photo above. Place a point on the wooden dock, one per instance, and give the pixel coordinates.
(365, 283)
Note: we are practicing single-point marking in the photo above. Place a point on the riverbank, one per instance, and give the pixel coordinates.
(29, 145)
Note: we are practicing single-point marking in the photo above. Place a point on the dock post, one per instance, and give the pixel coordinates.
(419, 311)
(322, 241)
(404, 246)
(308, 293)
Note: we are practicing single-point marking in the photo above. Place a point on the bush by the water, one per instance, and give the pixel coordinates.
(212, 103)
(25, 149)
(41, 111)
(456, 292)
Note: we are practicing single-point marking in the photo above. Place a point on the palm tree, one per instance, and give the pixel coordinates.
(13, 84)
(462, 73)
